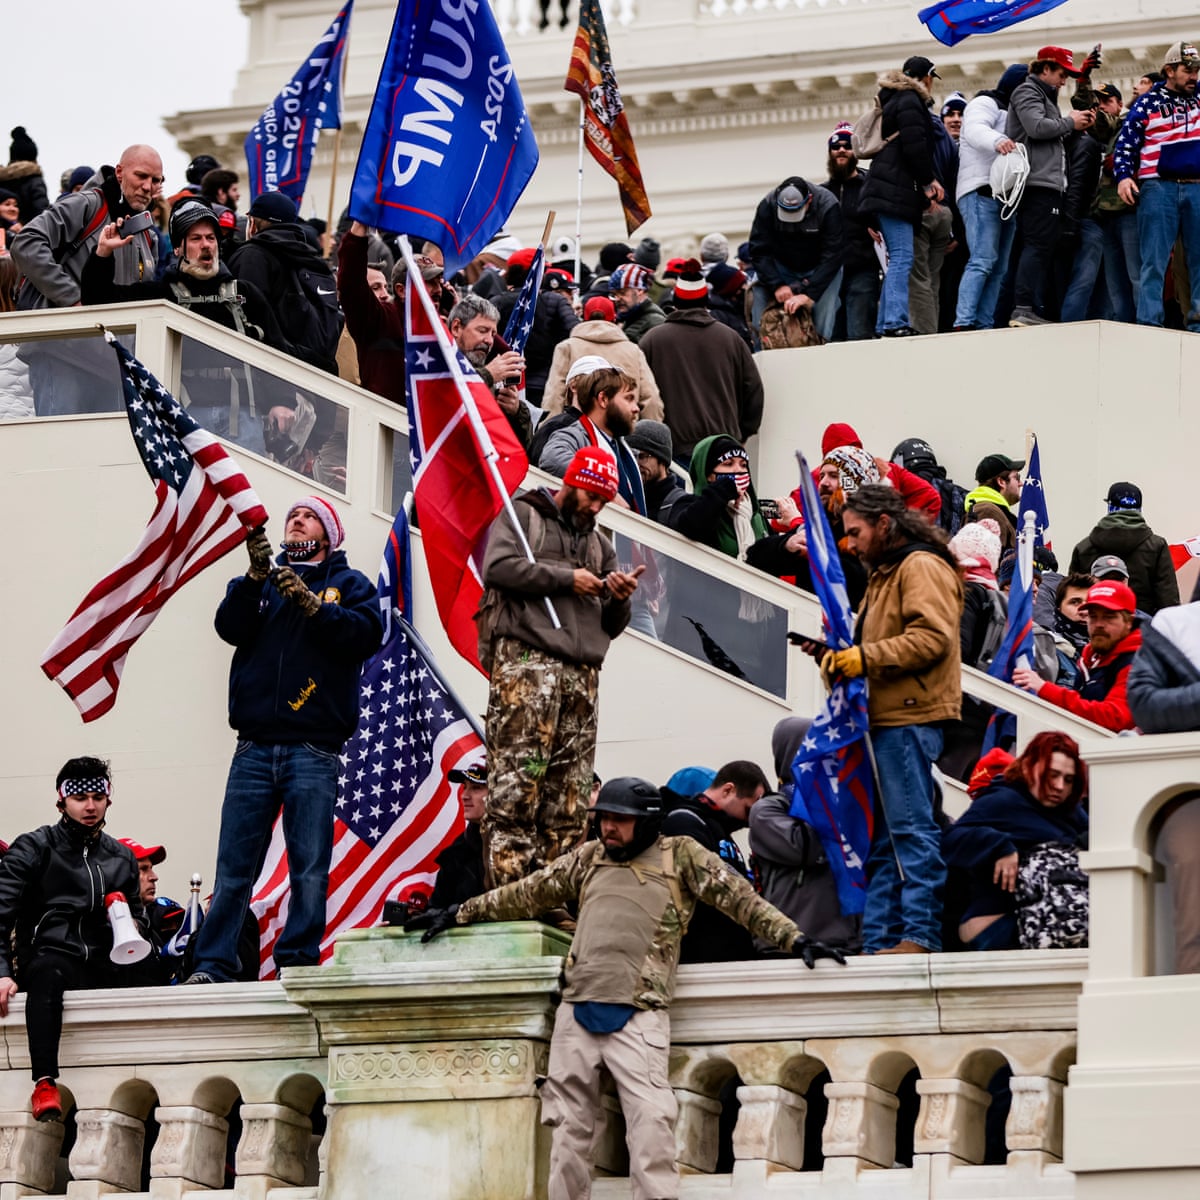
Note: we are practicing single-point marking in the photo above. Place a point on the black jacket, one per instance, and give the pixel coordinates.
(1163, 685)
(52, 887)
(295, 678)
(902, 170)
(460, 870)
(1085, 158)
(805, 254)
(661, 496)
(859, 256)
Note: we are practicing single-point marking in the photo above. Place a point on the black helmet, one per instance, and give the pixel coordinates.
(199, 167)
(187, 214)
(629, 796)
(914, 452)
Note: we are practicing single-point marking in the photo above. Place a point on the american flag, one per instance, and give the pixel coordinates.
(520, 321)
(834, 790)
(204, 506)
(396, 810)
(456, 495)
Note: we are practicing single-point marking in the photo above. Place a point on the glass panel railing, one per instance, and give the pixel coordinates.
(265, 413)
(60, 377)
(401, 468)
(705, 617)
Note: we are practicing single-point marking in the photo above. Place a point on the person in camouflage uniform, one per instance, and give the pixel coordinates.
(636, 892)
(541, 714)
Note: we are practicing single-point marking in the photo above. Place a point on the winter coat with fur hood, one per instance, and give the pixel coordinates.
(25, 179)
(903, 169)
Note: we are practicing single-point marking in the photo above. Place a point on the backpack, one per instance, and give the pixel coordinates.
(866, 139)
(1052, 898)
(779, 330)
(954, 503)
(227, 295)
(308, 309)
(995, 631)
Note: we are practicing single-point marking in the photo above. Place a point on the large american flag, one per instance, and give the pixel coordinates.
(204, 506)
(396, 810)
(834, 789)
(455, 493)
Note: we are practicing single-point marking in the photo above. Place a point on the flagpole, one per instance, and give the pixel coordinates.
(490, 453)
(546, 231)
(337, 145)
(579, 194)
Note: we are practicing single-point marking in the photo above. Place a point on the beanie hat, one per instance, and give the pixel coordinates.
(714, 248)
(612, 256)
(691, 288)
(1012, 78)
(274, 207)
(723, 446)
(955, 102)
(977, 545)
(594, 470)
(726, 280)
(839, 434)
(326, 514)
(629, 275)
(599, 308)
(5, 194)
(79, 177)
(855, 468)
(987, 770)
(586, 364)
(653, 437)
(842, 135)
(648, 254)
(23, 148)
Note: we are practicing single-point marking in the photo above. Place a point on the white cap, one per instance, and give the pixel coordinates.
(587, 364)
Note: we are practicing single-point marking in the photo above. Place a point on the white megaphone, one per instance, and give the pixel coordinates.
(128, 945)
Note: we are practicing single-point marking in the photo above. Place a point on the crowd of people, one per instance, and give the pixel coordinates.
(638, 387)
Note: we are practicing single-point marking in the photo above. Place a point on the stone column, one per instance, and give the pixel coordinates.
(107, 1155)
(697, 1132)
(770, 1126)
(28, 1154)
(1035, 1122)
(273, 1150)
(951, 1120)
(189, 1152)
(861, 1126)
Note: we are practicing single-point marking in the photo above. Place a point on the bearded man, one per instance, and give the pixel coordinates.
(472, 323)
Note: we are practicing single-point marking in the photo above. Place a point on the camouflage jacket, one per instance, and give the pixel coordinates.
(699, 874)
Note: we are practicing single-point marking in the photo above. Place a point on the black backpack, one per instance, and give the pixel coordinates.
(954, 499)
(308, 311)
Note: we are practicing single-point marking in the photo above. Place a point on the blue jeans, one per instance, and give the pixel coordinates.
(860, 304)
(1165, 211)
(989, 240)
(909, 909)
(302, 779)
(1077, 300)
(893, 299)
(1122, 263)
(824, 312)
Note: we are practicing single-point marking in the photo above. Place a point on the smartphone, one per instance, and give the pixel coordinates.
(769, 510)
(808, 644)
(136, 224)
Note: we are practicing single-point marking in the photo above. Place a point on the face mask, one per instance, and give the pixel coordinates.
(300, 551)
(743, 482)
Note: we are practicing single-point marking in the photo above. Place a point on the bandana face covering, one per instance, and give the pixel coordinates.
(300, 551)
(742, 479)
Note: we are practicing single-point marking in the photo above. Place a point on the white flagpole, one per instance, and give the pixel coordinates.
(490, 454)
(579, 199)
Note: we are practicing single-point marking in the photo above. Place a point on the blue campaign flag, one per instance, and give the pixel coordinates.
(834, 791)
(952, 20)
(279, 148)
(520, 323)
(1033, 496)
(448, 148)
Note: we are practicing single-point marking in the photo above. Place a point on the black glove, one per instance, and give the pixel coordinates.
(810, 950)
(258, 545)
(291, 587)
(433, 921)
(725, 486)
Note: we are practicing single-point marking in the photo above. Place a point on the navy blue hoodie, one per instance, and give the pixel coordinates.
(295, 678)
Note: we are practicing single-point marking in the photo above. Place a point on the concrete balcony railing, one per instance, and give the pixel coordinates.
(426, 1059)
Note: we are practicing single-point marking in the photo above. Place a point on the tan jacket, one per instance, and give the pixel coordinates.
(908, 627)
(609, 342)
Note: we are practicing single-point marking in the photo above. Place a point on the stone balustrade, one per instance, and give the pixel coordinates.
(425, 1060)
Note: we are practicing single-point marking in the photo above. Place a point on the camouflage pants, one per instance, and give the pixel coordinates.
(541, 742)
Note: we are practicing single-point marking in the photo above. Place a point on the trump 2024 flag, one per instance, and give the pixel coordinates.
(448, 148)
(950, 21)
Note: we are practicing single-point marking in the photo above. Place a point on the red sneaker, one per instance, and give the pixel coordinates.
(46, 1103)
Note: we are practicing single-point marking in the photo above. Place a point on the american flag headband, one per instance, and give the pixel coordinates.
(77, 787)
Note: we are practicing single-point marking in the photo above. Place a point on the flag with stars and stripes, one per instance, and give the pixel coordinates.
(396, 809)
(204, 507)
(279, 149)
(834, 790)
(1033, 496)
(456, 496)
(520, 321)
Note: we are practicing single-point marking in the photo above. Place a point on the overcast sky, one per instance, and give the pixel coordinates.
(86, 80)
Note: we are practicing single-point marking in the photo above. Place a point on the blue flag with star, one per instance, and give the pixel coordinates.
(1033, 496)
(950, 21)
(520, 322)
(834, 790)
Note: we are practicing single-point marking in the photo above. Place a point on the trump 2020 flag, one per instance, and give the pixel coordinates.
(952, 20)
(448, 148)
(203, 507)
(396, 809)
(1033, 496)
(279, 148)
(834, 792)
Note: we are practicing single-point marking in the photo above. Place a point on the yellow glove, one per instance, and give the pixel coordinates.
(850, 664)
